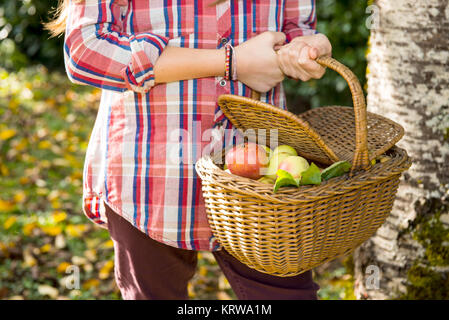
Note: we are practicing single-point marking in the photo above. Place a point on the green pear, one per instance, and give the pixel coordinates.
(275, 161)
(266, 180)
(285, 149)
(268, 150)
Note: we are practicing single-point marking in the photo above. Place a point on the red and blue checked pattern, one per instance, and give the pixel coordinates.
(146, 138)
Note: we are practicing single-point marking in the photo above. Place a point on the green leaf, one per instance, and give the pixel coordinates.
(284, 179)
(335, 170)
(311, 176)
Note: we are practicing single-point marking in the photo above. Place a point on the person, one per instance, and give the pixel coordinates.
(161, 66)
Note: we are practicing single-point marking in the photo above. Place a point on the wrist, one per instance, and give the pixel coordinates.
(221, 61)
(234, 66)
(240, 61)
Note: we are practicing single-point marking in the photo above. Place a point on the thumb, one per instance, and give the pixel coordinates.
(313, 53)
(278, 38)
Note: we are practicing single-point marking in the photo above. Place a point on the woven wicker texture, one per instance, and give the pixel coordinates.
(339, 132)
(296, 229)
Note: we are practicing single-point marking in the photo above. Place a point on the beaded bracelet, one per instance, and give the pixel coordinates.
(231, 63)
(228, 63)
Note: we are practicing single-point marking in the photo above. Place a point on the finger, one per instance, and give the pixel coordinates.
(302, 75)
(322, 44)
(303, 60)
(277, 47)
(292, 69)
(292, 57)
(311, 67)
(319, 73)
(285, 63)
(313, 53)
(299, 60)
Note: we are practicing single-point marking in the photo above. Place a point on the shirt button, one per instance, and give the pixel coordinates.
(224, 41)
(222, 82)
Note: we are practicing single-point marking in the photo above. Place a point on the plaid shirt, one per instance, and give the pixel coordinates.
(146, 138)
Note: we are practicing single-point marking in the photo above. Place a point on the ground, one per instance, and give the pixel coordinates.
(45, 123)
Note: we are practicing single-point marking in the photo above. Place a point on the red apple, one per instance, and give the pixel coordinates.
(247, 160)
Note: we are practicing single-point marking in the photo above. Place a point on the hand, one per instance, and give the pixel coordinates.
(257, 64)
(296, 59)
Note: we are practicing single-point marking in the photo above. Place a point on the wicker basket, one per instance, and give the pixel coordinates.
(296, 229)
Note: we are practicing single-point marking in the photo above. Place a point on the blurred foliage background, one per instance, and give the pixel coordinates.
(44, 131)
(344, 23)
(23, 42)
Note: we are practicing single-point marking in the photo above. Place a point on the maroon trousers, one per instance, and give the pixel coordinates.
(148, 269)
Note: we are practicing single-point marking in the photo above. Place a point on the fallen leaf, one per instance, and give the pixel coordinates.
(4, 170)
(59, 216)
(19, 196)
(79, 260)
(45, 248)
(55, 204)
(9, 222)
(93, 243)
(202, 271)
(28, 259)
(209, 257)
(6, 134)
(91, 283)
(53, 195)
(6, 206)
(191, 290)
(76, 231)
(223, 283)
(28, 228)
(45, 144)
(91, 254)
(4, 249)
(75, 293)
(88, 267)
(52, 230)
(107, 244)
(62, 267)
(47, 290)
(23, 143)
(221, 295)
(60, 241)
(24, 180)
(105, 271)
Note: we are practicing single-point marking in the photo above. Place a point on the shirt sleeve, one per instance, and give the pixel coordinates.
(97, 52)
(299, 18)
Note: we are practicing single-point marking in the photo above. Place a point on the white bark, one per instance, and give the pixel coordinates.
(408, 82)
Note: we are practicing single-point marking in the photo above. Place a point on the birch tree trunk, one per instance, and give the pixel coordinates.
(408, 82)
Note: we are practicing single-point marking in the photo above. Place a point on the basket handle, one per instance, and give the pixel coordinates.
(361, 160)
